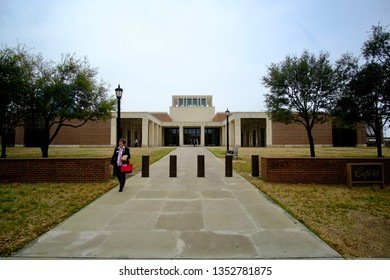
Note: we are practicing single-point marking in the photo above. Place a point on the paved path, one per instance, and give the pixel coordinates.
(183, 217)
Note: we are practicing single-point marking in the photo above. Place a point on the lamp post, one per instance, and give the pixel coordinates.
(227, 112)
(118, 92)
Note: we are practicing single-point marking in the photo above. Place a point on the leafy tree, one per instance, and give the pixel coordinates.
(46, 96)
(366, 89)
(302, 90)
(65, 92)
(377, 47)
(15, 70)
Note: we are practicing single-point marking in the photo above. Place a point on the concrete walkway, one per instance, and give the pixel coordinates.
(182, 217)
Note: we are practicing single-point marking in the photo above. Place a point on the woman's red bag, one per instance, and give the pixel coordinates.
(127, 168)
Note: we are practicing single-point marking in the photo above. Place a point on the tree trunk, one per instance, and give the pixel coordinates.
(311, 142)
(4, 140)
(378, 137)
(3, 148)
(45, 151)
(45, 143)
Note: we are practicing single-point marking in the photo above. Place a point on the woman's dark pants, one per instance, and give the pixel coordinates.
(121, 177)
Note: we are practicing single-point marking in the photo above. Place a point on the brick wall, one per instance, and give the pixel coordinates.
(295, 134)
(314, 170)
(55, 170)
(92, 133)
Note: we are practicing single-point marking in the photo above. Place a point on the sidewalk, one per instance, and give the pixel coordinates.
(183, 217)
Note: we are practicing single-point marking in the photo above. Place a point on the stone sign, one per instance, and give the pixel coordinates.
(365, 173)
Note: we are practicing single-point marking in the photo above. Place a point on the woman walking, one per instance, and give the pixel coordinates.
(121, 155)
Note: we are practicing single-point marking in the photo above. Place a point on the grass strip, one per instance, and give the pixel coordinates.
(29, 210)
(355, 222)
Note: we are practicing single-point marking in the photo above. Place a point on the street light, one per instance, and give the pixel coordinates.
(227, 113)
(118, 92)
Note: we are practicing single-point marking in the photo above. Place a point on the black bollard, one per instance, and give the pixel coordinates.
(200, 165)
(145, 165)
(228, 166)
(255, 166)
(172, 166)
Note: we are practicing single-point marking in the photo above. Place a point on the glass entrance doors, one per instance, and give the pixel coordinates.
(212, 136)
(192, 135)
(171, 136)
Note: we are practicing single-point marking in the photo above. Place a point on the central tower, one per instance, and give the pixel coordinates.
(192, 108)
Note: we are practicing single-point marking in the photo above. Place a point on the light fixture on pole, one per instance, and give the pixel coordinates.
(118, 93)
(227, 112)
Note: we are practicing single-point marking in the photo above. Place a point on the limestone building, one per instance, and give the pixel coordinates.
(193, 118)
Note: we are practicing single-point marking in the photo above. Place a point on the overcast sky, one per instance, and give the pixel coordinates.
(156, 49)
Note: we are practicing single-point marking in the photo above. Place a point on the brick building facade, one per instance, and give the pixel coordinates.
(193, 119)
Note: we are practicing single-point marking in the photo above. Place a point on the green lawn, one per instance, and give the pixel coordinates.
(29, 210)
(355, 222)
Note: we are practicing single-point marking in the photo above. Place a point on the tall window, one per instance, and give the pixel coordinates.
(190, 134)
(212, 136)
(171, 136)
(191, 102)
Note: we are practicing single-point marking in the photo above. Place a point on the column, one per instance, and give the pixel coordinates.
(145, 132)
(231, 135)
(159, 135)
(113, 131)
(181, 135)
(223, 136)
(202, 134)
(237, 128)
(155, 134)
(151, 133)
(268, 129)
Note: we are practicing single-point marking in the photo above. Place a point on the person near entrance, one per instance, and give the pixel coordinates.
(121, 155)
